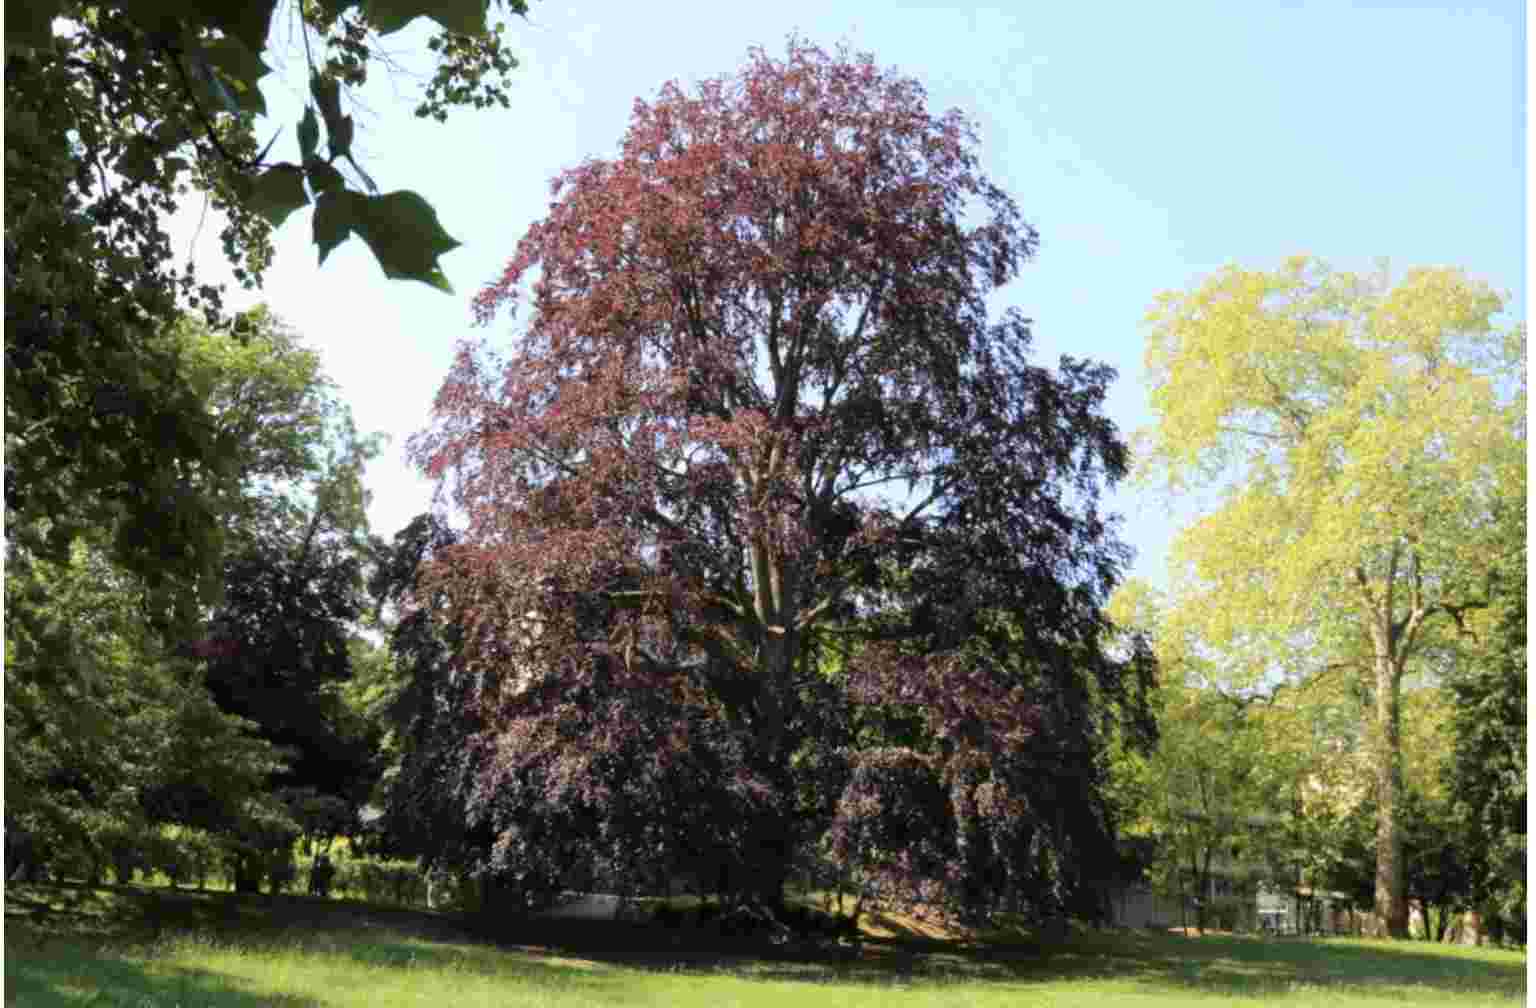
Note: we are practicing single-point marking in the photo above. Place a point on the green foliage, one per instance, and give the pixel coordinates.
(1212, 797)
(1338, 418)
(115, 115)
(107, 731)
(189, 77)
(119, 721)
(1355, 432)
(381, 881)
(278, 647)
(1486, 775)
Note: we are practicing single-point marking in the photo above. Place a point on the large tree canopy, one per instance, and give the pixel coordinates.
(761, 495)
(1356, 431)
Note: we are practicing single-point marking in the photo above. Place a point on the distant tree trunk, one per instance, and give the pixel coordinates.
(1203, 886)
(768, 886)
(1391, 641)
(1443, 921)
(1197, 893)
(247, 876)
(1183, 906)
(122, 866)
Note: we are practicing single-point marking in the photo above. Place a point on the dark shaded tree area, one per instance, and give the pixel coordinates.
(1488, 772)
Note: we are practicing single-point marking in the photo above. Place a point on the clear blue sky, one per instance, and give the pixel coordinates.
(1149, 144)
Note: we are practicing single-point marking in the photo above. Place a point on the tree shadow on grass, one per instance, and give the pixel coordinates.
(584, 952)
(1212, 965)
(1257, 966)
(72, 972)
(135, 912)
(702, 949)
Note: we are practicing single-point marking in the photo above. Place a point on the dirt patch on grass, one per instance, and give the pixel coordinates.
(895, 924)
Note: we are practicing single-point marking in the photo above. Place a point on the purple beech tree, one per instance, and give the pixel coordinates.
(760, 494)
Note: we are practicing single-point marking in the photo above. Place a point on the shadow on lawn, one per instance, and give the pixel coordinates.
(42, 975)
(1211, 965)
(689, 949)
(139, 913)
(587, 952)
(1248, 966)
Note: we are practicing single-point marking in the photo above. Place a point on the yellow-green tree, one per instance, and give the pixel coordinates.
(1351, 435)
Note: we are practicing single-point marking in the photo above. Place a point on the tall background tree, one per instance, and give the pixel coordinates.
(758, 454)
(1353, 430)
(279, 648)
(1486, 774)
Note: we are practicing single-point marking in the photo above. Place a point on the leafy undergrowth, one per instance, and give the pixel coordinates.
(131, 946)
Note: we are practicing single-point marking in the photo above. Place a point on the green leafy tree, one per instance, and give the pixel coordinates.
(1352, 430)
(1208, 796)
(119, 720)
(115, 114)
(279, 647)
(1486, 774)
(108, 732)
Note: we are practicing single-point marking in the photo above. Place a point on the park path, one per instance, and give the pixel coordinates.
(586, 906)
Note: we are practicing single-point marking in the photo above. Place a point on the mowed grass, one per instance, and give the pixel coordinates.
(135, 947)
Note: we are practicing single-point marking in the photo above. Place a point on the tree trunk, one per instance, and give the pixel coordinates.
(1391, 900)
(247, 876)
(769, 867)
(1443, 922)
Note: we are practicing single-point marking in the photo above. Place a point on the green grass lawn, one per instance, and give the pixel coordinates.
(137, 947)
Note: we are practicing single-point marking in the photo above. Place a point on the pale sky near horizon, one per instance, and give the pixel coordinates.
(1150, 145)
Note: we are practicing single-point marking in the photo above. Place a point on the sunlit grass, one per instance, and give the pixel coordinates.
(302, 954)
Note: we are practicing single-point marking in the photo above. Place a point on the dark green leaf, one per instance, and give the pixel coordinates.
(158, 17)
(138, 160)
(278, 192)
(327, 94)
(209, 84)
(467, 17)
(323, 178)
(400, 227)
(406, 238)
(368, 182)
(240, 68)
(309, 133)
(336, 215)
(340, 137)
(249, 21)
(30, 24)
(335, 8)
